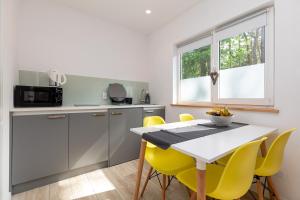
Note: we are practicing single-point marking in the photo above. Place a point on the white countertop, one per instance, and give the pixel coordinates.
(74, 109)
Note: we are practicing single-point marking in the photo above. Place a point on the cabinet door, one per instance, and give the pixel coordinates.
(154, 112)
(39, 146)
(88, 139)
(124, 145)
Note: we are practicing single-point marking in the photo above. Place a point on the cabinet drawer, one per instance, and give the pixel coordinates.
(154, 112)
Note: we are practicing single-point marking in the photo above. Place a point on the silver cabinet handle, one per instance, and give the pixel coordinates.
(56, 116)
(98, 114)
(149, 111)
(116, 113)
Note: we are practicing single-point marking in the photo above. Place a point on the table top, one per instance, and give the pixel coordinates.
(212, 147)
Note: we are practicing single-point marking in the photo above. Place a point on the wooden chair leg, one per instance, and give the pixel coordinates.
(164, 185)
(146, 181)
(193, 196)
(272, 187)
(259, 190)
(190, 192)
(169, 180)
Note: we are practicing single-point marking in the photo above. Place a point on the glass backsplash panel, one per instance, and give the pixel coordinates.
(83, 89)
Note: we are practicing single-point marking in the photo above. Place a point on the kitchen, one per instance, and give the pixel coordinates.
(75, 139)
(79, 79)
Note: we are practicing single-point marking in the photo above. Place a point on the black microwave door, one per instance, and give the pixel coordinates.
(42, 97)
(24, 96)
(35, 97)
(27, 96)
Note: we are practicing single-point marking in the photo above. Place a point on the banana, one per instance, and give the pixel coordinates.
(219, 112)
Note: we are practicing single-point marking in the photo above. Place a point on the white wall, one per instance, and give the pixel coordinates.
(39, 34)
(51, 34)
(7, 64)
(204, 16)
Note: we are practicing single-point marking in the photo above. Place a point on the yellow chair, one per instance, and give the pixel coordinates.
(151, 121)
(270, 164)
(186, 117)
(166, 162)
(227, 182)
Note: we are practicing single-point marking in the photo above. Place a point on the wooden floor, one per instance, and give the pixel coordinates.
(115, 183)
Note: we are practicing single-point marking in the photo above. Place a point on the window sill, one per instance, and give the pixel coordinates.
(250, 108)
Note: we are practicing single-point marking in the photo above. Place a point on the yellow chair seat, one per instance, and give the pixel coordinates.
(213, 175)
(168, 162)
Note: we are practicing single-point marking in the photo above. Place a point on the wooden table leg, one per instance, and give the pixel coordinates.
(201, 184)
(140, 169)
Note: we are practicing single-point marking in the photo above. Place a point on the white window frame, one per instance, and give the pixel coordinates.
(244, 24)
(203, 42)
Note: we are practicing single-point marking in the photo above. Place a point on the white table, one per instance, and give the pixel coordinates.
(205, 149)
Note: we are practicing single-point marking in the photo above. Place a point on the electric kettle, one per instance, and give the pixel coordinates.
(56, 78)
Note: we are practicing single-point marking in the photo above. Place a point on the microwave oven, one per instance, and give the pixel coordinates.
(37, 96)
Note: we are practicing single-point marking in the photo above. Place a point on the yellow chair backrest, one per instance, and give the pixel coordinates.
(150, 121)
(186, 117)
(273, 160)
(239, 171)
(153, 120)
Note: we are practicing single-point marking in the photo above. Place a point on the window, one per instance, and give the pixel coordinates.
(195, 68)
(233, 65)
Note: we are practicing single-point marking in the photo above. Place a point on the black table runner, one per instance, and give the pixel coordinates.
(165, 138)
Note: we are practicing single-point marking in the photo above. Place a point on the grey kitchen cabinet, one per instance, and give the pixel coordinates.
(88, 139)
(154, 112)
(124, 145)
(39, 146)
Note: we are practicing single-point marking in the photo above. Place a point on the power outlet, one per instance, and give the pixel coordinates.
(104, 95)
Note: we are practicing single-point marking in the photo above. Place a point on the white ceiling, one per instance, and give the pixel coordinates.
(131, 13)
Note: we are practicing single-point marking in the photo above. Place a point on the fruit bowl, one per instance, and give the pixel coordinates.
(221, 120)
(220, 116)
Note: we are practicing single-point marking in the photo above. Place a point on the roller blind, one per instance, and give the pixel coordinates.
(242, 25)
